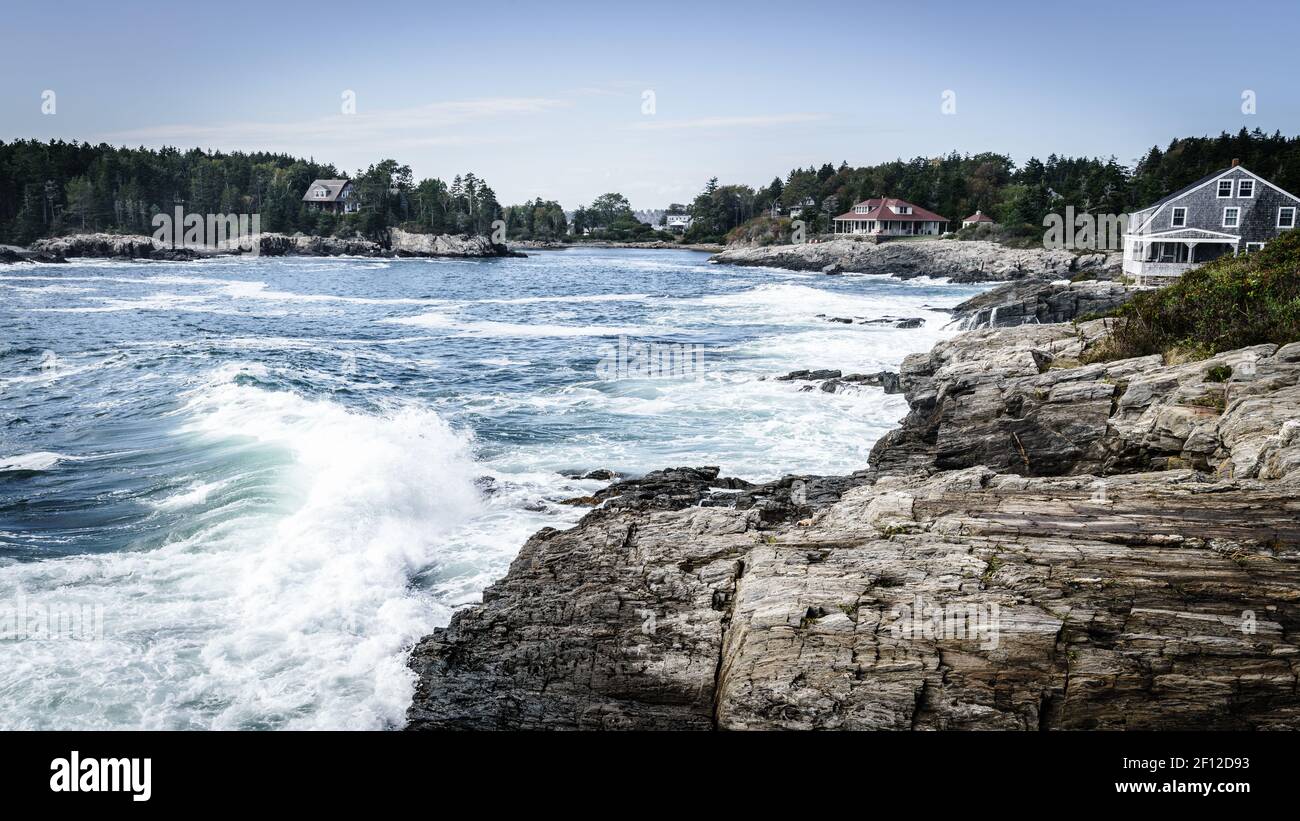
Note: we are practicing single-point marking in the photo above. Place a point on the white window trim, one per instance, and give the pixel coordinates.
(1253, 187)
(1254, 246)
(1291, 209)
(1232, 185)
(1173, 217)
(1237, 217)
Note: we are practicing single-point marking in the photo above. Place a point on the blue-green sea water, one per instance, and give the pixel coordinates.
(265, 479)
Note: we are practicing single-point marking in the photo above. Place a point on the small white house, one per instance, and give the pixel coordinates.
(677, 222)
(978, 218)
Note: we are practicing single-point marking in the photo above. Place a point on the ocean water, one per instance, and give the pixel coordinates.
(234, 493)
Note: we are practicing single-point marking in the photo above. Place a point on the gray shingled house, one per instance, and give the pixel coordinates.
(332, 195)
(1232, 211)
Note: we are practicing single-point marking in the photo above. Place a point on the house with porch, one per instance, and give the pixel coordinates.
(889, 217)
(1232, 211)
(337, 196)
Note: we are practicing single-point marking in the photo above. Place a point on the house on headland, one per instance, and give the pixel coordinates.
(976, 219)
(678, 223)
(337, 196)
(891, 218)
(1232, 211)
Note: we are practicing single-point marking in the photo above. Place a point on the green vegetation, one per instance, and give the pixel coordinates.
(539, 219)
(55, 187)
(610, 217)
(1233, 302)
(763, 230)
(1018, 197)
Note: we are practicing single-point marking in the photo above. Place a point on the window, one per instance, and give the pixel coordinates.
(1225, 188)
(1245, 188)
(1231, 217)
(1286, 217)
(1178, 218)
(1251, 247)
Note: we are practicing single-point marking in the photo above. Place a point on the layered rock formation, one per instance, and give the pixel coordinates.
(969, 261)
(1027, 302)
(1042, 545)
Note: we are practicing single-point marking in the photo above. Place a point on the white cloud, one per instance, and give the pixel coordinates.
(727, 122)
(418, 125)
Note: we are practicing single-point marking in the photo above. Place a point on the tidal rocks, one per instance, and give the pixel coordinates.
(405, 243)
(1017, 400)
(962, 261)
(1020, 303)
(128, 246)
(399, 243)
(831, 380)
(1043, 545)
(1168, 603)
(810, 375)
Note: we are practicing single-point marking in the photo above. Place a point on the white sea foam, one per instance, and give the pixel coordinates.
(39, 461)
(297, 612)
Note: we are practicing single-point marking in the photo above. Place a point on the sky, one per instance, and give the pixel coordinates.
(569, 100)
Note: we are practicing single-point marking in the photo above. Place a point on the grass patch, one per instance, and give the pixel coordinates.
(1233, 302)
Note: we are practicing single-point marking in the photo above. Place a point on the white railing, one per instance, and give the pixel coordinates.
(1140, 268)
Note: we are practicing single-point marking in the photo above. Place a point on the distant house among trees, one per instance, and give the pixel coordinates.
(978, 218)
(797, 208)
(678, 223)
(890, 217)
(1232, 211)
(335, 196)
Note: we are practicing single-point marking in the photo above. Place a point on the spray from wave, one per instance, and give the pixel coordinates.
(288, 603)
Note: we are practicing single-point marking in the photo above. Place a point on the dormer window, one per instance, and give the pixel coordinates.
(902, 209)
(1246, 188)
(860, 209)
(1225, 188)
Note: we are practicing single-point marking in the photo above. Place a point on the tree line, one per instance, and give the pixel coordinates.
(957, 185)
(53, 187)
(47, 188)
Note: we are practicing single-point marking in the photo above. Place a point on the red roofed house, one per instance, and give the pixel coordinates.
(976, 219)
(891, 218)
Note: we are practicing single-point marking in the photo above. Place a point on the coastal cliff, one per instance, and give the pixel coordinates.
(962, 261)
(1042, 544)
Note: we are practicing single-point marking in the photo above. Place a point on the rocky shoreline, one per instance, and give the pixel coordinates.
(1042, 544)
(654, 245)
(961, 261)
(131, 246)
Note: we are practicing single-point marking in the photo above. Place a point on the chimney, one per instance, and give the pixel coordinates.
(1235, 162)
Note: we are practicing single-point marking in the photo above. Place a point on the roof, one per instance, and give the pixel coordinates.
(1189, 188)
(876, 211)
(978, 216)
(1147, 215)
(335, 188)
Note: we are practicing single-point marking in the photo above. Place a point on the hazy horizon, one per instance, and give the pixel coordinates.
(555, 102)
